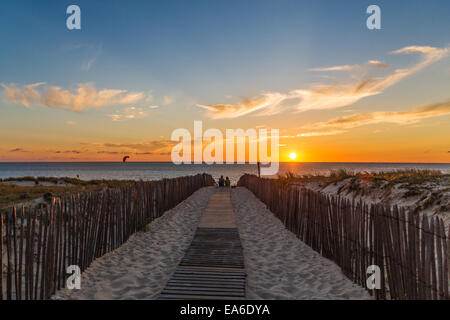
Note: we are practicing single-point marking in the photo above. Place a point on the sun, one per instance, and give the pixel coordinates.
(292, 156)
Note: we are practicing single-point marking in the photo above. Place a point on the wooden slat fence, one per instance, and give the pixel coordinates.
(37, 245)
(410, 249)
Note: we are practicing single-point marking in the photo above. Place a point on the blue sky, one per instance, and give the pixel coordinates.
(177, 45)
(209, 52)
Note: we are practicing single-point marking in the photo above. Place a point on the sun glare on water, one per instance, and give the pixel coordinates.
(292, 156)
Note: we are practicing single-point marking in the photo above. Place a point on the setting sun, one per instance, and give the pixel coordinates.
(292, 156)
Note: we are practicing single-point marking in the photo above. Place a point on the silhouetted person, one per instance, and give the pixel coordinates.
(227, 182)
(221, 181)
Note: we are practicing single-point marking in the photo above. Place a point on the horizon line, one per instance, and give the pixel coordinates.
(386, 162)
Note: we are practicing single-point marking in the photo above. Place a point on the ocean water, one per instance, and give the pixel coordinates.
(159, 170)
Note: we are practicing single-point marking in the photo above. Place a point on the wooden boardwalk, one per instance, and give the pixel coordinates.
(213, 266)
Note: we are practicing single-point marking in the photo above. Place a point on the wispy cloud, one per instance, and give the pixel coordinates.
(78, 98)
(143, 153)
(68, 151)
(88, 52)
(360, 68)
(18, 150)
(129, 113)
(319, 133)
(363, 82)
(146, 147)
(220, 111)
(400, 117)
(167, 100)
(27, 95)
(87, 64)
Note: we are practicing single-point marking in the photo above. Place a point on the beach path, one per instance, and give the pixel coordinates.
(198, 250)
(219, 212)
(213, 266)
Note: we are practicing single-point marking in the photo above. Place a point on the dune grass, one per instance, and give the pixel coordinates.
(410, 176)
(11, 194)
(73, 181)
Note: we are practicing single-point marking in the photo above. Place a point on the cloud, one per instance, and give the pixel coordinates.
(335, 68)
(223, 111)
(155, 146)
(78, 98)
(71, 123)
(320, 133)
(87, 64)
(18, 150)
(89, 52)
(129, 113)
(69, 151)
(149, 97)
(132, 97)
(367, 67)
(167, 100)
(400, 117)
(124, 152)
(28, 95)
(363, 82)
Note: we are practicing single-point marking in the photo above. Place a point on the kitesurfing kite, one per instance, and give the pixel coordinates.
(125, 158)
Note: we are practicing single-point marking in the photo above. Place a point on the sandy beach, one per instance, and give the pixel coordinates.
(141, 267)
(280, 266)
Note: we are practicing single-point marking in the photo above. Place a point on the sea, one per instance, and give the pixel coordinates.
(159, 170)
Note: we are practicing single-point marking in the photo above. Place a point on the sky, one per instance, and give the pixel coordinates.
(138, 70)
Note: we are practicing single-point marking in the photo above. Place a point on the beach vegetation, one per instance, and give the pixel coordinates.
(408, 177)
(42, 189)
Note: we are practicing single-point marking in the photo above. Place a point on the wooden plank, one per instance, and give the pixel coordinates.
(188, 269)
(193, 269)
(207, 283)
(194, 297)
(196, 278)
(213, 265)
(203, 287)
(200, 276)
(204, 292)
(209, 275)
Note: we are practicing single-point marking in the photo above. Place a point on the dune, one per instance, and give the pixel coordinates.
(278, 264)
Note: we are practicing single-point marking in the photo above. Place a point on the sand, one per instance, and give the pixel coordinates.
(430, 198)
(278, 264)
(140, 268)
